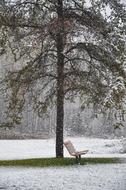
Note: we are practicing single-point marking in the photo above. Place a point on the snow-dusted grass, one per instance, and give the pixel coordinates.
(27, 149)
(51, 162)
(88, 177)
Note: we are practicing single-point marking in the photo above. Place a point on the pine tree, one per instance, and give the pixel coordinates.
(67, 49)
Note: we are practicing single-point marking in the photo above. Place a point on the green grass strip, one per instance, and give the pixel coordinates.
(50, 162)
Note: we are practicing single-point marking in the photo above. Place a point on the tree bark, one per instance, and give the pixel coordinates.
(60, 84)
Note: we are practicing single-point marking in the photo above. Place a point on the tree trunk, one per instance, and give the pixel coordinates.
(60, 85)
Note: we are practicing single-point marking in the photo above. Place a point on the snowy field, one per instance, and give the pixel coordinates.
(87, 177)
(21, 149)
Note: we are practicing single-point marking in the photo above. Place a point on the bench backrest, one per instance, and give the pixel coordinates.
(70, 147)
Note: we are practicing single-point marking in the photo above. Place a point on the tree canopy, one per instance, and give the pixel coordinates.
(63, 49)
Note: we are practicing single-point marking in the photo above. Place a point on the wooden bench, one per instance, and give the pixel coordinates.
(72, 151)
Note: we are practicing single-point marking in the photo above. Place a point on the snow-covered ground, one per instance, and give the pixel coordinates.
(21, 149)
(88, 177)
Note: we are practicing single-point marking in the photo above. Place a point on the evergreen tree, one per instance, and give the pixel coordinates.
(66, 48)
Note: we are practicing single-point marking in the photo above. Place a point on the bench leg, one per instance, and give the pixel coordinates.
(78, 159)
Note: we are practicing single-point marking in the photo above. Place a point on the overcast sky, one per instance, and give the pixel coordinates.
(123, 1)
